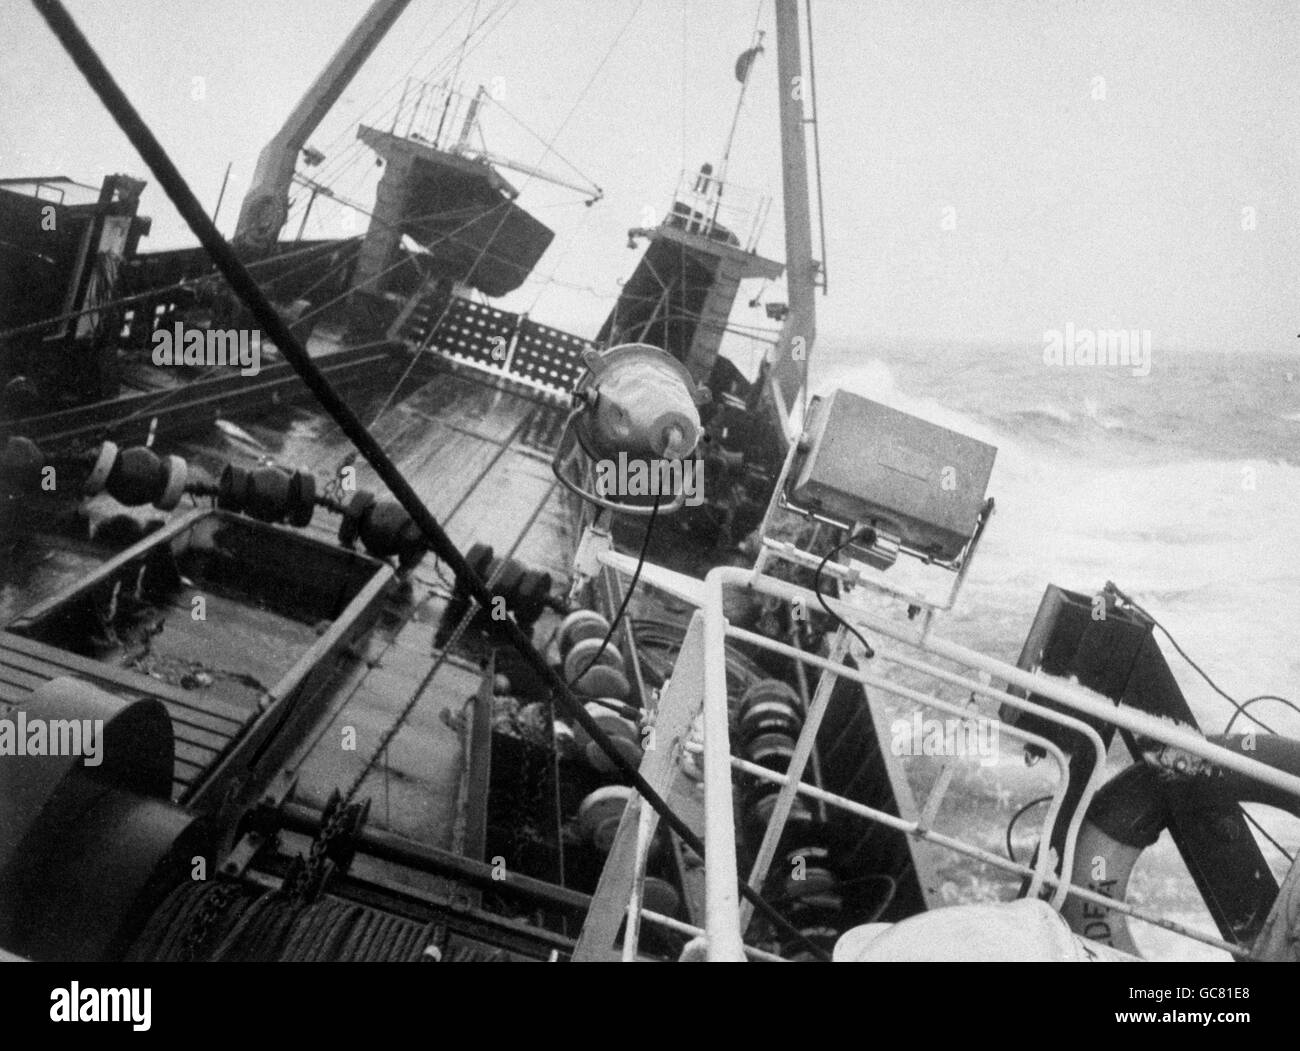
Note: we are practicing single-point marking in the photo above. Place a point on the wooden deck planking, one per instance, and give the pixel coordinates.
(414, 790)
(200, 736)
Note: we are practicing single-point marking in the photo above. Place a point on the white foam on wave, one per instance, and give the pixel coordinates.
(875, 380)
(1212, 557)
(1210, 548)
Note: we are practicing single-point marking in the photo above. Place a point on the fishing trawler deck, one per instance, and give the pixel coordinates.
(479, 461)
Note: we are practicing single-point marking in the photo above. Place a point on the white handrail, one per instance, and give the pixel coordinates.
(723, 926)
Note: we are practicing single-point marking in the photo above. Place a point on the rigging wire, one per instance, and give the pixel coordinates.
(609, 51)
(91, 66)
(165, 396)
(354, 153)
(337, 163)
(550, 150)
(455, 76)
(551, 280)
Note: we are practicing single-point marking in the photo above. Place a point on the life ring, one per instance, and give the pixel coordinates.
(1129, 812)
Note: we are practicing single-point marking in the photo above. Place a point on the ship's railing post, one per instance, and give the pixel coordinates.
(701, 670)
(794, 772)
(645, 829)
(721, 875)
(677, 706)
(723, 913)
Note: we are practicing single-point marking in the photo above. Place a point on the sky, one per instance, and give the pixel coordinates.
(990, 170)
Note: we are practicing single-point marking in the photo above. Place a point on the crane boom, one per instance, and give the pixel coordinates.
(266, 205)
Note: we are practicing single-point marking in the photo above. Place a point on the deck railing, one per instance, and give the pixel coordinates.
(712, 208)
(914, 648)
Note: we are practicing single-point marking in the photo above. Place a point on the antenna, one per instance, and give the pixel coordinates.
(744, 65)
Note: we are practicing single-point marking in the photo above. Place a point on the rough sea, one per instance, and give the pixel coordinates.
(1182, 487)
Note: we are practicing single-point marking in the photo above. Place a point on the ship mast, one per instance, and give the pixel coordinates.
(788, 361)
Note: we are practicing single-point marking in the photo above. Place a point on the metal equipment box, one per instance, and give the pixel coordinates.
(868, 464)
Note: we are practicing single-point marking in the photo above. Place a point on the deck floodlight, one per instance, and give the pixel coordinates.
(633, 429)
(900, 483)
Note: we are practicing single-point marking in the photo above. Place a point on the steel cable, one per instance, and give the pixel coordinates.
(177, 188)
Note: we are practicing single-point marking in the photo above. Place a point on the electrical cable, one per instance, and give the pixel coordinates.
(92, 67)
(627, 596)
(1114, 589)
(1011, 853)
(862, 534)
(1240, 708)
(1262, 697)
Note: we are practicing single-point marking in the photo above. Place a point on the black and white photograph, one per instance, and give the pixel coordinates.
(634, 481)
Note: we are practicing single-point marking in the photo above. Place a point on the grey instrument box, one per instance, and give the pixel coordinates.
(867, 463)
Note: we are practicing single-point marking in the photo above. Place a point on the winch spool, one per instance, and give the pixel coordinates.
(772, 751)
(386, 530)
(599, 814)
(769, 707)
(622, 732)
(21, 461)
(525, 591)
(381, 531)
(96, 847)
(658, 895)
(603, 681)
(99, 471)
(302, 498)
(505, 578)
(760, 802)
(579, 625)
(138, 477)
(232, 488)
(531, 596)
(810, 878)
(592, 653)
(267, 495)
(354, 514)
(814, 903)
(177, 475)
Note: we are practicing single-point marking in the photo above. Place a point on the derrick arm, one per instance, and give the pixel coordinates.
(266, 204)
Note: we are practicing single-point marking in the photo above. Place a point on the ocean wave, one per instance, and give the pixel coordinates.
(1046, 412)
